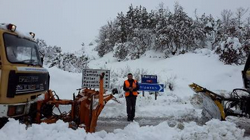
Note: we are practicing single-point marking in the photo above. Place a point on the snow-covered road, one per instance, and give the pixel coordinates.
(110, 124)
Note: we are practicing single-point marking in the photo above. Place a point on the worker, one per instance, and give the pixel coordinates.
(130, 87)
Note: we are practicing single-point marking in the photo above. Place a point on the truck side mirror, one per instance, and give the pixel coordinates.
(42, 56)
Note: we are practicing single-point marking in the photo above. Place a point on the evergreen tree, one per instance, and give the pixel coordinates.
(120, 51)
(129, 36)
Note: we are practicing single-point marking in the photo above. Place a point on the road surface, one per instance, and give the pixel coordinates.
(110, 124)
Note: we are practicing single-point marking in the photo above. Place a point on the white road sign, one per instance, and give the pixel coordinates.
(91, 78)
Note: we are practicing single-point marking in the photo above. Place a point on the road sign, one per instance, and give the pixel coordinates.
(91, 78)
(149, 78)
(151, 87)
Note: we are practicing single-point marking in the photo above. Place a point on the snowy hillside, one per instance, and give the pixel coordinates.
(201, 67)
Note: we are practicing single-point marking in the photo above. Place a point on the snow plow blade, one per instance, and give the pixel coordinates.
(209, 102)
(85, 108)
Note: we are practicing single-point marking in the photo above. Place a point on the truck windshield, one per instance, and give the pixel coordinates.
(21, 50)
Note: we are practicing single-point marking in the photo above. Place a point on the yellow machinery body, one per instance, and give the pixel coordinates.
(22, 77)
(24, 87)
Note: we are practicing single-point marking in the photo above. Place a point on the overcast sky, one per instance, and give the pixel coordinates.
(68, 23)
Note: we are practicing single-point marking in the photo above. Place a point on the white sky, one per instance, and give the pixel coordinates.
(68, 23)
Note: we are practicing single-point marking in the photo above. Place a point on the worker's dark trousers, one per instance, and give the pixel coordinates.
(131, 101)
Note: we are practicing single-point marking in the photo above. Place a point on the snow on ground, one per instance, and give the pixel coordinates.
(213, 130)
(64, 83)
(202, 67)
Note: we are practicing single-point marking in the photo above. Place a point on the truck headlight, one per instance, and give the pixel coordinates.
(16, 110)
(19, 109)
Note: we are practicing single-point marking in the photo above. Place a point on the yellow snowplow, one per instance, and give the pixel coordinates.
(24, 87)
(217, 106)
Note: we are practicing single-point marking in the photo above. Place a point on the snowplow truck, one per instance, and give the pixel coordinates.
(24, 87)
(218, 106)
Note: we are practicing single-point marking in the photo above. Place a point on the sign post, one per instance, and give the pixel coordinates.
(151, 87)
(91, 78)
(149, 83)
(148, 79)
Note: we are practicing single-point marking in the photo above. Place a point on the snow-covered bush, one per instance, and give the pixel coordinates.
(231, 51)
(170, 83)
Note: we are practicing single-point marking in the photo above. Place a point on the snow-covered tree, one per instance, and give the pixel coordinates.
(131, 34)
(107, 38)
(54, 57)
(121, 51)
(231, 51)
(233, 40)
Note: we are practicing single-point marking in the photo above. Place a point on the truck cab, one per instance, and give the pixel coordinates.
(22, 76)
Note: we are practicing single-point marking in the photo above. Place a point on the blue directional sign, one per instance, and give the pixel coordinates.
(151, 87)
(149, 78)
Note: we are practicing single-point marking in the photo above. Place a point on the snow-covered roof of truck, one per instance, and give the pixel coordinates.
(20, 34)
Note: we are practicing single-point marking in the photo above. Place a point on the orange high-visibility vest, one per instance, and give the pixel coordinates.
(133, 86)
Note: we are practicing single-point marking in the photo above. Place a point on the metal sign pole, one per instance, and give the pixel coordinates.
(156, 93)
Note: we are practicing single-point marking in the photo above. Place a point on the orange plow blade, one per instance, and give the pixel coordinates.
(85, 108)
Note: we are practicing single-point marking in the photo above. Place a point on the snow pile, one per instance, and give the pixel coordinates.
(3, 26)
(13, 130)
(64, 83)
(213, 129)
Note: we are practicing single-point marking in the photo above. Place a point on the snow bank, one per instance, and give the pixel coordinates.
(213, 129)
(64, 83)
(13, 130)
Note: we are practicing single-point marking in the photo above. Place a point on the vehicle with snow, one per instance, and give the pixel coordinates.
(24, 87)
(216, 106)
(22, 77)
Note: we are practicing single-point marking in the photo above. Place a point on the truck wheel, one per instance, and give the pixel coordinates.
(3, 121)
